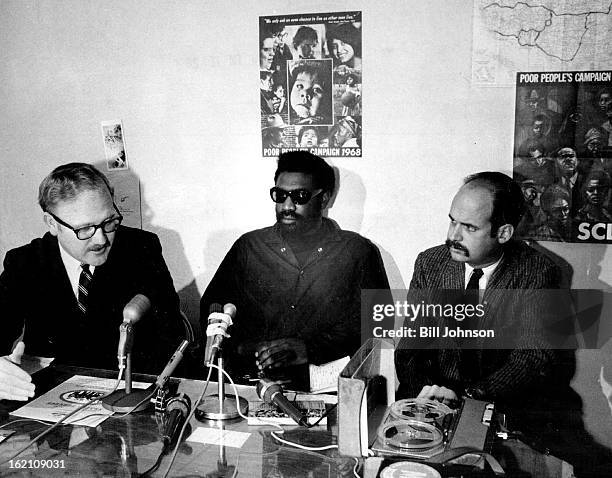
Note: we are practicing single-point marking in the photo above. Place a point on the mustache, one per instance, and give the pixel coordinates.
(291, 214)
(456, 245)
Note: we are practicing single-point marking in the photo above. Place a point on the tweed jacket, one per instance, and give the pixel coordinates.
(509, 305)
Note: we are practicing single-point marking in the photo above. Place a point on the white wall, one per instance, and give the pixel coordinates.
(182, 75)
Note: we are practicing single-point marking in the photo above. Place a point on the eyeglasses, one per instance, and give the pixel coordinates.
(298, 196)
(86, 232)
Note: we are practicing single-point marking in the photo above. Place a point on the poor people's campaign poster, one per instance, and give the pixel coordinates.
(310, 84)
(563, 155)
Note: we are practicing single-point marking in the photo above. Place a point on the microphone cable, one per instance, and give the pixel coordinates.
(157, 463)
(187, 420)
(276, 425)
(62, 420)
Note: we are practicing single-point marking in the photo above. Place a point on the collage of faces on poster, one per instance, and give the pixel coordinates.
(563, 155)
(310, 83)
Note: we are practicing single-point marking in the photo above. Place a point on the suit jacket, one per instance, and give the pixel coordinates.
(511, 306)
(36, 297)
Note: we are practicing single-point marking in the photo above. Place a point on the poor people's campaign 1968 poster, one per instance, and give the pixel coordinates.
(310, 84)
(563, 155)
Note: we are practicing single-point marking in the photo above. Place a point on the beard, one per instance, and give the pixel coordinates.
(300, 225)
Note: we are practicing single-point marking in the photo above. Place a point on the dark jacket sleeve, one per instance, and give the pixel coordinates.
(414, 367)
(10, 292)
(223, 289)
(160, 337)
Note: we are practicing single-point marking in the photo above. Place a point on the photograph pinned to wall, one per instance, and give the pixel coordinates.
(114, 145)
(563, 155)
(311, 84)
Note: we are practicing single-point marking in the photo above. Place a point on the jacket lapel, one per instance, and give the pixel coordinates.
(453, 277)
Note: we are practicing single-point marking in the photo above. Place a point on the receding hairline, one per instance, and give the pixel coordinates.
(480, 183)
(474, 186)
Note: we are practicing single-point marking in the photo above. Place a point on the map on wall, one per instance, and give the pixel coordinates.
(539, 35)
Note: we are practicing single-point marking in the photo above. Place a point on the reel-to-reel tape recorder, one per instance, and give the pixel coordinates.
(421, 428)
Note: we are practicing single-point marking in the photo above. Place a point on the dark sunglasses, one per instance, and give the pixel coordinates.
(298, 196)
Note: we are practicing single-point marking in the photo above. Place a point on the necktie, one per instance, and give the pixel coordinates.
(470, 359)
(84, 283)
(472, 288)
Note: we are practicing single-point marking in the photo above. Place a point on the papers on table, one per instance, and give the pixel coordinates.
(71, 394)
(324, 378)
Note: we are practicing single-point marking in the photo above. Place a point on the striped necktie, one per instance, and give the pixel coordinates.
(84, 283)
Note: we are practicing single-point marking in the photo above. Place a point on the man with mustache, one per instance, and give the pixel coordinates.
(481, 253)
(526, 378)
(62, 295)
(297, 284)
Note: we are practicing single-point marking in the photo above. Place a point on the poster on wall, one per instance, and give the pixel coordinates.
(114, 145)
(563, 155)
(310, 84)
(126, 184)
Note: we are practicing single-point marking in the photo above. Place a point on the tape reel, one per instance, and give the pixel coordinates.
(420, 409)
(410, 434)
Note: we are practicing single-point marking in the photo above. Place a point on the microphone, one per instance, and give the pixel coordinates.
(172, 364)
(272, 392)
(136, 309)
(132, 313)
(176, 413)
(218, 322)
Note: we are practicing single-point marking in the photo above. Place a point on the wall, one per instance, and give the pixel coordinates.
(183, 78)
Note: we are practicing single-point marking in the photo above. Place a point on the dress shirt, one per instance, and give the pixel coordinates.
(487, 272)
(73, 269)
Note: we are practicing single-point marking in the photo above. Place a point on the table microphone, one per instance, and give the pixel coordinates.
(177, 412)
(172, 364)
(272, 392)
(136, 308)
(228, 310)
(132, 313)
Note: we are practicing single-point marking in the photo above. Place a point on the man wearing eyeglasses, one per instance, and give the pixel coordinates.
(297, 284)
(62, 295)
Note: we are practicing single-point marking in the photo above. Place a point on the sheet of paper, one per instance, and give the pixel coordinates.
(68, 396)
(214, 436)
(322, 397)
(324, 378)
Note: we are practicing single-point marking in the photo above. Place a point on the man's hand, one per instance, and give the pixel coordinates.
(441, 394)
(15, 384)
(280, 353)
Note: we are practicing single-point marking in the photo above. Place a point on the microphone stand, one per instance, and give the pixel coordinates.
(124, 400)
(223, 469)
(220, 406)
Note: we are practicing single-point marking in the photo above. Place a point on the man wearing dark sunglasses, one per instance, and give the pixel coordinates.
(63, 295)
(297, 285)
